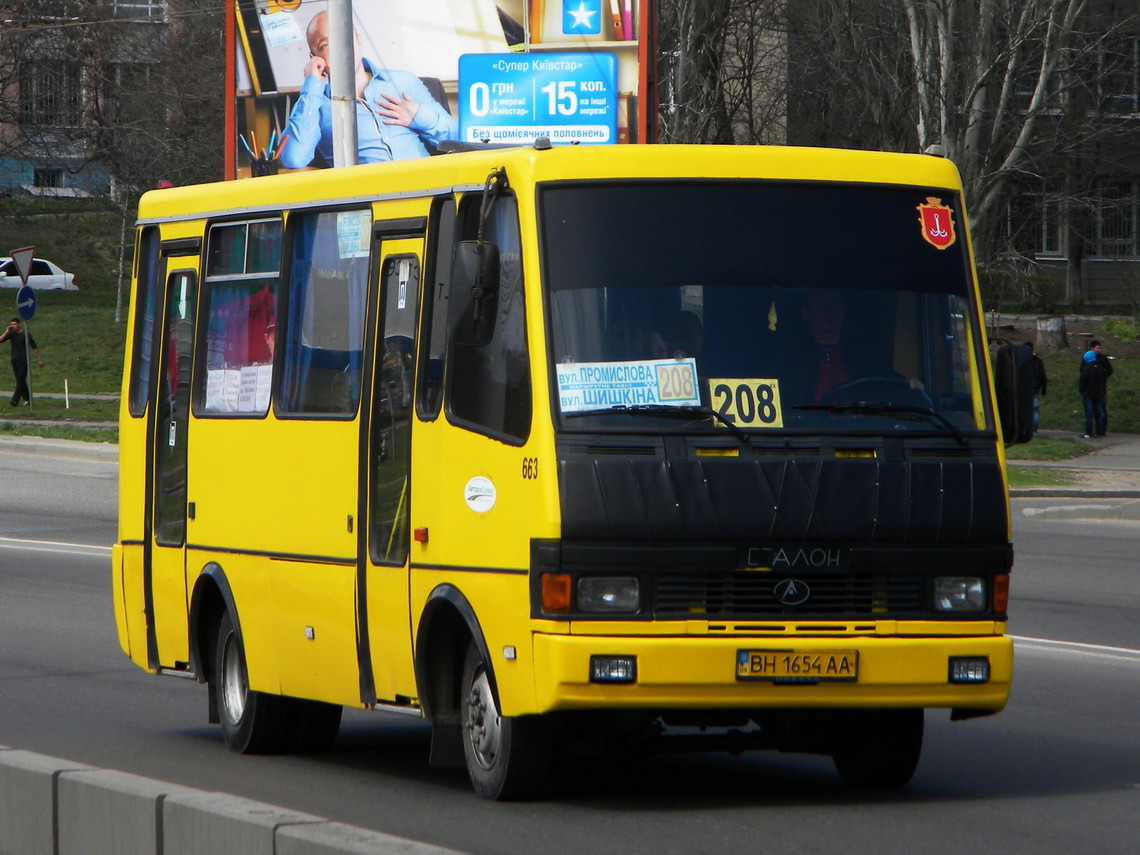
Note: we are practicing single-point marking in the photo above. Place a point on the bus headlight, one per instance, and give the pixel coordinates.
(608, 594)
(959, 594)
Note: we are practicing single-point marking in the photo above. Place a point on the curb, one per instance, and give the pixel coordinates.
(1074, 493)
(69, 448)
(50, 806)
(1129, 510)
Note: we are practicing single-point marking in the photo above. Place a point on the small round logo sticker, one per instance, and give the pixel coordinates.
(480, 494)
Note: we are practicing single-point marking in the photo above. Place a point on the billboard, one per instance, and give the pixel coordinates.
(432, 70)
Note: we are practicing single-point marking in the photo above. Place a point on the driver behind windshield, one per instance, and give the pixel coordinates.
(831, 360)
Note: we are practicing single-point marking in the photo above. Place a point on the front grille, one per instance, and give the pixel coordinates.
(750, 595)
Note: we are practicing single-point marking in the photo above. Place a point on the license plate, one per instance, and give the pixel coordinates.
(789, 666)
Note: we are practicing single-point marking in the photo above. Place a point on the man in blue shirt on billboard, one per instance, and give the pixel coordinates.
(396, 116)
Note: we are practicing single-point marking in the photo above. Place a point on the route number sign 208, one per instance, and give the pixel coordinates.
(747, 402)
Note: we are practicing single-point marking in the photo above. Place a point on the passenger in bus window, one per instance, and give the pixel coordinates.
(634, 339)
(397, 118)
(684, 335)
(271, 339)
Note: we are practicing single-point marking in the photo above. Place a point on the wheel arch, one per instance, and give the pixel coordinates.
(212, 597)
(448, 624)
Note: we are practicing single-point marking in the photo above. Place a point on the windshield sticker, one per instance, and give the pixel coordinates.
(747, 403)
(937, 221)
(584, 386)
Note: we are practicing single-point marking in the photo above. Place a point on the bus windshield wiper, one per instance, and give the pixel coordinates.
(904, 410)
(664, 410)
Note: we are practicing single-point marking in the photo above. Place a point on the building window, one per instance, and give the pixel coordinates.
(1119, 75)
(1117, 219)
(50, 94)
(47, 178)
(1032, 225)
(147, 9)
(126, 89)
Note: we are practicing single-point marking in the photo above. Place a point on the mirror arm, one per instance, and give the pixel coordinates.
(495, 184)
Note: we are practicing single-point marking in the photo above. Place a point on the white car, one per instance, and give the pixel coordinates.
(44, 276)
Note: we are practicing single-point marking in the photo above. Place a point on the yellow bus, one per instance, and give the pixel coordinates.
(569, 449)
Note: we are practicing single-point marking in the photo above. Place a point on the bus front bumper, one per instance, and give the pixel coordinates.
(702, 673)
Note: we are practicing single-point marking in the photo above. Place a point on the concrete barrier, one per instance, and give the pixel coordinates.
(51, 806)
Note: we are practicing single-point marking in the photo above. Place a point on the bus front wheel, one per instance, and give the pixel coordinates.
(507, 756)
(879, 748)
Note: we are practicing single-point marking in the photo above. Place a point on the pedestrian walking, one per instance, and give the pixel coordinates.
(21, 341)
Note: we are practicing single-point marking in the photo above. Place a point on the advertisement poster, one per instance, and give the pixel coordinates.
(429, 71)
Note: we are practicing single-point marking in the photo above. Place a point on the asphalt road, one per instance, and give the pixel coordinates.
(1057, 772)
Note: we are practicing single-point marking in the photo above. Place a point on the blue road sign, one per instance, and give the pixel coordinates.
(26, 303)
(519, 97)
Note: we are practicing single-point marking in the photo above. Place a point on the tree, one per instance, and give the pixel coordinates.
(130, 93)
(723, 70)
(1018, 93)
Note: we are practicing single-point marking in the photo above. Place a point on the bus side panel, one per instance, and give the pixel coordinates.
(315, 638)
(127, 592)
(248, 579)
(491, 537)
(392, 666)
(270, 486)
(284, 493)
(132, 478)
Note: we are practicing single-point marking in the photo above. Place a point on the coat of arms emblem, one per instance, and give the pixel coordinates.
(937, 221)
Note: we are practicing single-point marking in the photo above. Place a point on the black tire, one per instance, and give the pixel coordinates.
(257, 723)
(508, 757)
(879, 748)
(314, 724)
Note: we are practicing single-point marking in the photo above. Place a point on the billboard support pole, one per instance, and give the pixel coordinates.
(342, 82)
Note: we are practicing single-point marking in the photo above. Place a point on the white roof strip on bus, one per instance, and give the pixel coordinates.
(299, 206)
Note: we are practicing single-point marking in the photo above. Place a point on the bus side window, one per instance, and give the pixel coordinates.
(145, 309)
(433, 335)
(488, 386)
(326, 305)
(243, 263)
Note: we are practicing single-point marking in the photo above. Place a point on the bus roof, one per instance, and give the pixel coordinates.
(528, 164)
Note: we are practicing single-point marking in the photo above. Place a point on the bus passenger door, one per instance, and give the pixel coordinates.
(166, 537)
(389, 470)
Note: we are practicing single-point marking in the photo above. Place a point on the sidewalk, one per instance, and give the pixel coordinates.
(1111, 469)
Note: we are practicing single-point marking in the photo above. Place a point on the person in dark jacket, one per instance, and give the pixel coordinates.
(1095, 371)
(1040, 384)
(22, 342)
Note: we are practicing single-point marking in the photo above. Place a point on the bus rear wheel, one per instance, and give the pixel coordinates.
(507, 757)
(879, 748)
(258, 723)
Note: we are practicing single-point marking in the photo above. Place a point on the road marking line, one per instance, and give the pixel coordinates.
(1126, 654)
(54, 546)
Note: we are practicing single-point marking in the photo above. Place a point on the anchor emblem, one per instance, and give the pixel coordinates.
(937, 221)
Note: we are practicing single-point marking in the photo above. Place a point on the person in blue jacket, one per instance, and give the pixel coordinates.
(1095, 371)
(396, 116)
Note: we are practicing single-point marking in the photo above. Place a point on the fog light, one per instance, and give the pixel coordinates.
(608, 594)
(613, 669)
(959, 594)
(969, 669)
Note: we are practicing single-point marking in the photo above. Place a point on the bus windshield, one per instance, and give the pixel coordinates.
(760, 306)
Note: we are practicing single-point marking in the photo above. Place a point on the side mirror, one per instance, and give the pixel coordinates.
(1014, 382)
(473, 300)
